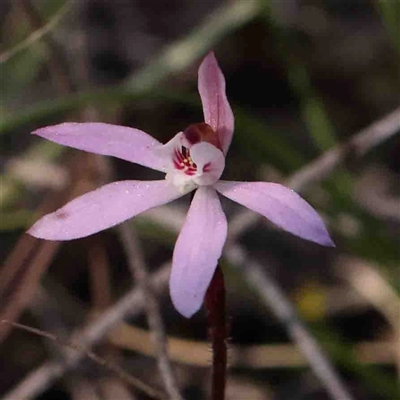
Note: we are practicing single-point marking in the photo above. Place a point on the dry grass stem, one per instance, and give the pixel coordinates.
(139, 271)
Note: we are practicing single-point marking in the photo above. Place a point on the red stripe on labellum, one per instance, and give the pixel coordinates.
(183, 162)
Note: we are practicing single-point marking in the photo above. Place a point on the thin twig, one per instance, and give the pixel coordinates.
(358, 145)
(43, 308)
(37, 34)
(259, 356)
(129, 305)
(23, 285)
(139, 271)
(57, 59)
(136, 383)
(46, 310)
(30, 257)
(370, 284)
(273, 298)
(99, 271)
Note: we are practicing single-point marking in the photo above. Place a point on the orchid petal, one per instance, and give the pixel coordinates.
(129, 144)
(197, 250)
(103, 208)
(217, 111)
(279, 204)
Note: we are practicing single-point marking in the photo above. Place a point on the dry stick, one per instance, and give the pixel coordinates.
(43, 307)
(57, 62)
(29, 259)
(197, 353)
(43, 252)
(15, 266)
(37, 34)
(276, 300)
(132, 250)
(129, 305)
(136, 383)
(218, 331)
(99, 273)
(369, 283)
(139, 271)
(59, 70)
(23, 287)
(358, 145)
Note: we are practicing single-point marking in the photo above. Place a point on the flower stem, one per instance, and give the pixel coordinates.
(218, 332)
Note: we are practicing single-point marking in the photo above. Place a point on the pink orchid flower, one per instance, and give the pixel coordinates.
(193, 160)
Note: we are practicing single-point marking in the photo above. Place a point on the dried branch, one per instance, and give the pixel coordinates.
(93, 356)
(261, 356)
(276, 300)
(358, 145)
(129, 305)
(30, 257)
(99, 272)
(370, 284)
(57, 60)
(273, 298)
(37, 34)
(139, 271)
(34, 258)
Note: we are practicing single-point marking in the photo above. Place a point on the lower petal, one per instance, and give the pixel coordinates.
(197, 250)
(102, 208)
(281, 205)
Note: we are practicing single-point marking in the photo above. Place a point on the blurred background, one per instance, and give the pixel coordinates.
(303, 77)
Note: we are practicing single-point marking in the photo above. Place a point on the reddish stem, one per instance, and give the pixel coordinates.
(218, 331)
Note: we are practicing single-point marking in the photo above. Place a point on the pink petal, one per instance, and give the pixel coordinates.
(217, 111)
(281, 205)
(103, 208)
(197, 250)
(111, 140)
